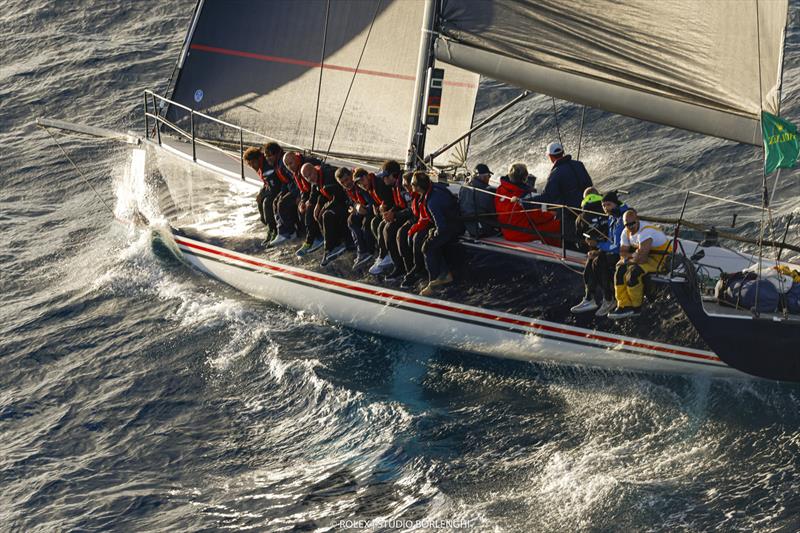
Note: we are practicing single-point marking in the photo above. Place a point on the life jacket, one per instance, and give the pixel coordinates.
(358, 196)
(371, 189)
(398, 196)
(515, 214)
(420, 213)
(321, 184)
(283, 173)
(300, 181)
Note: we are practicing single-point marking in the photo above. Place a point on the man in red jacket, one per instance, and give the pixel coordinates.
(513, 207)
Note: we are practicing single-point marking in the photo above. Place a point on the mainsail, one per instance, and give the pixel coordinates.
(704, 66)
(257, 63)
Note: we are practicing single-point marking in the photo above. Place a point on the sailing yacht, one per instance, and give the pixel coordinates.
(358, 82)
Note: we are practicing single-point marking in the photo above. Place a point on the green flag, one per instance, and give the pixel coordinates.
(780, 143)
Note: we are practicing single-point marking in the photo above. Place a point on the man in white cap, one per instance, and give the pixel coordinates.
(565, 185)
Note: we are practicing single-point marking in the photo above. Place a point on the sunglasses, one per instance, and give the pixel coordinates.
(631, 224)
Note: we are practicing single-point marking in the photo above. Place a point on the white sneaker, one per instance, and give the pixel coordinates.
(381, 264)
(585, 306)
(606, 307)
(281, 238)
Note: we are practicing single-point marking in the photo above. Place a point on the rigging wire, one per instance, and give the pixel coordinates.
(555, 116)
(352, 81)
(78, 170)
(321, 69)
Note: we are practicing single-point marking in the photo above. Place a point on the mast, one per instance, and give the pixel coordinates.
(416, 141)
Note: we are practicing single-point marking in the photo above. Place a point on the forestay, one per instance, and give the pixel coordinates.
(692, 64)
(257, 63)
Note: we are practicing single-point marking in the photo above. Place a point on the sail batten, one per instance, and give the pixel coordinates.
(684, 63)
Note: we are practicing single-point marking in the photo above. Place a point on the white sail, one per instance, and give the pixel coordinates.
(257, 63)
(705, 66)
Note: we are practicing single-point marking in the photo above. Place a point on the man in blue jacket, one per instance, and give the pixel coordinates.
(601, 260)
(442, 208)
(565, 185)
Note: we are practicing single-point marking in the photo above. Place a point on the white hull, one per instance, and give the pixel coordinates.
(441, 323)
(436, 322)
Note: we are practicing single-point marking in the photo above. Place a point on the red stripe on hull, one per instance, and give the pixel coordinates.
(444, 307)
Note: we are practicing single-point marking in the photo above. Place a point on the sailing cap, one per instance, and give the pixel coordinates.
(555, 149)
(482, 169)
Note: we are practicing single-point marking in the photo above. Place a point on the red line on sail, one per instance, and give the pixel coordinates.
(314, 64)
(443, 307)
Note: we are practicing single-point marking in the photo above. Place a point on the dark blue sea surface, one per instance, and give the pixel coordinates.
(139, 395)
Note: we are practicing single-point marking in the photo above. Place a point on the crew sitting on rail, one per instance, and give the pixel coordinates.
(442, 207)
(255, 158)
(329, 209)
(567, 180)
(360, 215)
(284, 204)
(514, 210)
(400, 218)
(602, 258)
(643, 250)
(380, 194)
(294, 161)
(387, 181)
(412, 235)
(319, 178)
(591, 220)
(476, 202)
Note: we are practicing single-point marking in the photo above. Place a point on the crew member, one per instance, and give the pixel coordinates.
(324, 195)
(520, 219)
(412, 235)
(255, 158)
(381, 187)
(601, 259)
(476, 201)
(360, 216)
(380, 194)
(643, 250)
(591, 220)
(285, 202)
(442, 207)
(396, 219)
(567, 180)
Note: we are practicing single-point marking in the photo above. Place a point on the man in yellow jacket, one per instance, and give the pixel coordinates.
(643, 250)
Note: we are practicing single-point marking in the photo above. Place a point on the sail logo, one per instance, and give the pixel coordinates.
(198, 95)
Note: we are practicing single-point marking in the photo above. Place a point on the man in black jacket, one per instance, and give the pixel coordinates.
(328, 207)
(474, 200)
(565, 185)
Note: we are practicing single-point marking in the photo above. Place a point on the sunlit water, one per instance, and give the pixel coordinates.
(137, 394)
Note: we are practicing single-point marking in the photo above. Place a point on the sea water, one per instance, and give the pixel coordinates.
(138, 395)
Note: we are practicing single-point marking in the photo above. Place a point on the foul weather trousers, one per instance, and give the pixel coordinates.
(266, 207)
(334, 227)
(411, 249)
(361, 230)
(285, 209)
(629, 281)
(434, 250)
(599, 274)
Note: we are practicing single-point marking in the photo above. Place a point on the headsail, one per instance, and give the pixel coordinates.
(257, 63)
(691, 64)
